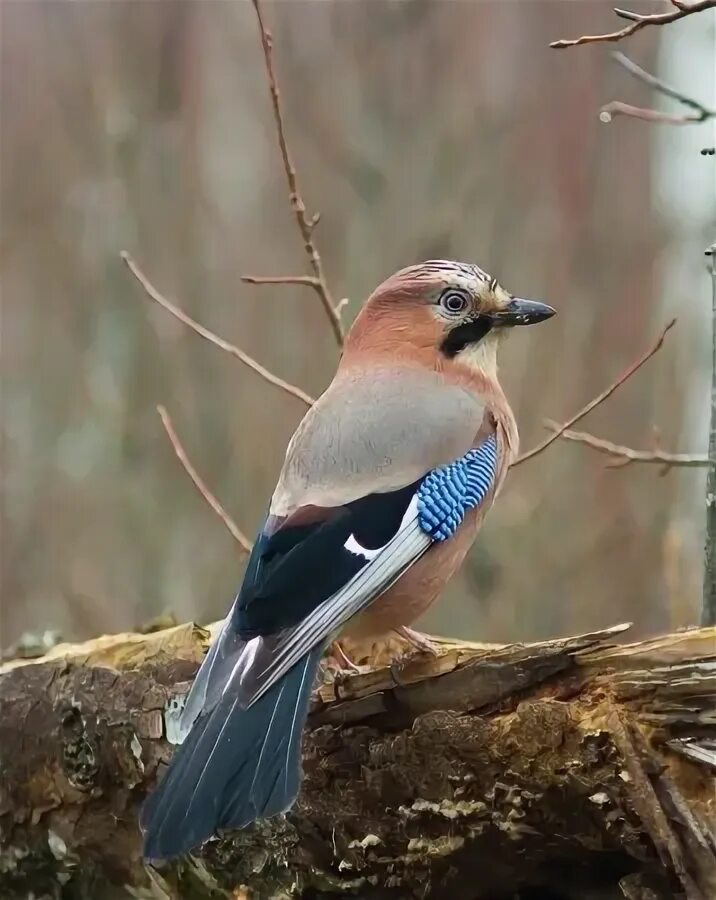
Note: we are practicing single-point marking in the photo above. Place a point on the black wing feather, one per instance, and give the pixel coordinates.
(299, 567)
(240, 759)
(289, 573)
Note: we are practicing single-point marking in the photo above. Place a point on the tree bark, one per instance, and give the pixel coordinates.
(564, 769)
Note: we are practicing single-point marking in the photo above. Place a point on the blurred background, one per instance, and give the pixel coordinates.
(420, 130)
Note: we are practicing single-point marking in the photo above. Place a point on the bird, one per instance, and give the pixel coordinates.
(384, 486)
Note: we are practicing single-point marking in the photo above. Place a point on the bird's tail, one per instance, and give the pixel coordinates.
(236, 765)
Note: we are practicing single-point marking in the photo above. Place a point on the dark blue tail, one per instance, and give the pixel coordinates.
(236, 765)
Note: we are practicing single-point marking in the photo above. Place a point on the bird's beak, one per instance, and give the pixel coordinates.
(522, 312)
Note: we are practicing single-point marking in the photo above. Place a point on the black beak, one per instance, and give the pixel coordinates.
(522, 312)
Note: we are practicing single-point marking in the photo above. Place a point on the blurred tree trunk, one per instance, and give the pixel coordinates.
(708, 616)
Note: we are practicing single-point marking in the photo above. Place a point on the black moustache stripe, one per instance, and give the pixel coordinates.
(463, 335)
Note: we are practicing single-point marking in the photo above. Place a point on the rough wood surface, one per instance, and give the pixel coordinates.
(573, 768)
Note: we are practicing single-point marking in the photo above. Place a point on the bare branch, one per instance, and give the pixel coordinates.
(305, 224)
(617, 108)
(627, 14)
(599, 399)
(627, 455)
(236, 532)
(179, 314)
(662, 87)
(306, 280)
(639, 21)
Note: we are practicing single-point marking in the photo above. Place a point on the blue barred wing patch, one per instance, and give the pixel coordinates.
(447, 493)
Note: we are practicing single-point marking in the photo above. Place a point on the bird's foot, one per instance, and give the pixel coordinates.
(339, 654)
(418, 640)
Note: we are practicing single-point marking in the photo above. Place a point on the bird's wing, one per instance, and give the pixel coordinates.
(370, 509)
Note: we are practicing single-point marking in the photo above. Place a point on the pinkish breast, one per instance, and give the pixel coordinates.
(419, 587)
(415, 591)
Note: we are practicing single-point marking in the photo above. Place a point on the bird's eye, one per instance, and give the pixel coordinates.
(453, 301)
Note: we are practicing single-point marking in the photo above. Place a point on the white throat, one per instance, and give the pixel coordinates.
(482, 356)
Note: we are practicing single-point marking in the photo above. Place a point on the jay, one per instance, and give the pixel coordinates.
(384, 487)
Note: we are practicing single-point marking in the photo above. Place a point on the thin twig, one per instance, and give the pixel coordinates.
(307, 280)
(628, 15)
(236, 532)
(596, 401)
(638, 21)
(626, 455)
(179, 314)
(662, 87)
(305, 224)
(617, 108)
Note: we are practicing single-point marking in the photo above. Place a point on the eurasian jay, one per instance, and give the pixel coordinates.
(384, 486)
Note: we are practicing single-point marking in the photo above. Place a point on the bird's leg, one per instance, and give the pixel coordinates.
(337, 662)
(418, 640)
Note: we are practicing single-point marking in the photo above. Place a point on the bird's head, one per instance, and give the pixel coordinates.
(441, 312)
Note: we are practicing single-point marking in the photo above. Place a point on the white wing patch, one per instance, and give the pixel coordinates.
(402, 550)
(352, 546)
(243, 663)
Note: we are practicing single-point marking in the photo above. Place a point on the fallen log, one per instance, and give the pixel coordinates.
(573, 768)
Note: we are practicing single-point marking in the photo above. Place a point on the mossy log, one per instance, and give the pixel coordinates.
(572, 768)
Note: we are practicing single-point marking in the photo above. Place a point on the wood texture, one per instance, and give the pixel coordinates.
(573, 768)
